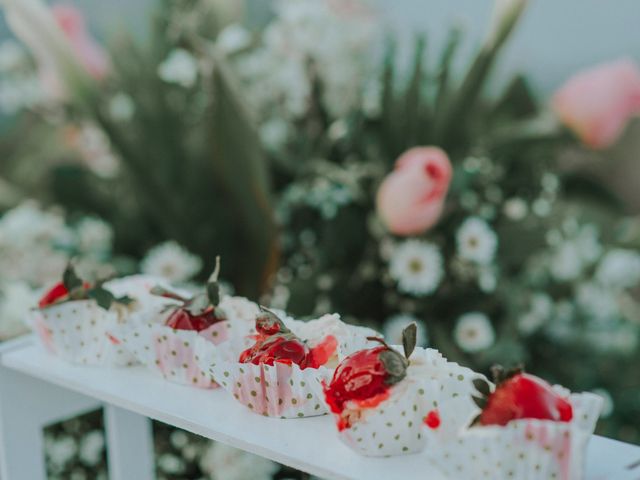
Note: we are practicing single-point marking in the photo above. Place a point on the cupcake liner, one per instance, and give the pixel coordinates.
(527, 449)
(453, 395)
(78, 332)
(281, 390)
(396, 426)
(177, 355)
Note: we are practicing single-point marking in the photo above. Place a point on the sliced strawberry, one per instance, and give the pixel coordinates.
(182, 319)
(321, 353)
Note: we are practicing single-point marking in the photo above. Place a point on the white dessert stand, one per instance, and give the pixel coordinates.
(37, 389)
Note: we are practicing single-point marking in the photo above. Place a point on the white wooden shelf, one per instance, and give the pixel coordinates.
(308, 444)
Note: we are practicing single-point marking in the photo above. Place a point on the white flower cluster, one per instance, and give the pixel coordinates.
(417, 266)
(575, 248)
(310, 41)
(180, 67)
(19, 84)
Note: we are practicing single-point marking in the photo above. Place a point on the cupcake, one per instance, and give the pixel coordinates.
(379, 402)
(280, 374)
(74, 318)
(172, 339)
(525, 429)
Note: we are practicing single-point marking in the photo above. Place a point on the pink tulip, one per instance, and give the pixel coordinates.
(411, 197)
(88, 52)
(597, 103)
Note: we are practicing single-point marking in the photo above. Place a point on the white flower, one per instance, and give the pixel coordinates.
(222, 462)
(417, 267)
(566, 263)
(476, 241)
(596, 302)
(171, 464)
(61, 450)
(12, 55)
(92, 448)
(94, 235)
(474, 332)
(515, 209)
(607, 402)
(180, 67)
(121, 107)
(16, 298)
(274, 133)
(487, 279)
(169, 260)
(539, 313)
(233, 38)
(394, 326)
(619, 268)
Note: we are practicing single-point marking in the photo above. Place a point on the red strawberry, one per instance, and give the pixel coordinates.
(182, 319)
(276, 343)
(56, 293)
(198, 312)
(520, 395)
(367, 375)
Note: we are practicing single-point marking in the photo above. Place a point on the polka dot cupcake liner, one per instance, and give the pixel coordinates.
(396, 426)
(78, 332)
(177, 355)
(452, 397)
(525, 449)
(173, 354)
(281, 390)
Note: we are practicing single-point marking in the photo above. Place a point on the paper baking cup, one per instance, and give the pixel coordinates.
(396, 426)
(454, 389)
(77, 331)
(525, 449)
(281, 390)
(171, 353)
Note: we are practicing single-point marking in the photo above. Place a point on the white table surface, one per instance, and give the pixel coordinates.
(309, 444)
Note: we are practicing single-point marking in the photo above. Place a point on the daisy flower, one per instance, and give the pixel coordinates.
(417, 267)
(474, 332)
(169, 260)
(477, 242)
(180, 67)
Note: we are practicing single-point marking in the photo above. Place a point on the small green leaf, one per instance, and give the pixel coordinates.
(482, 386)
(409, 335)
(104, 298)
(70, 279)
(126, 300)
(163, 292)
(481, 402)
(213, 289)
(395, 365)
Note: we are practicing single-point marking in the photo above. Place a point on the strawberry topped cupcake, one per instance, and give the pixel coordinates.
(74, 318)
(525, 428)
(172, 339)
(280, 373)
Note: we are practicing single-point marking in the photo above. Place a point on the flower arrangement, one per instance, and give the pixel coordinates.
(330, 178)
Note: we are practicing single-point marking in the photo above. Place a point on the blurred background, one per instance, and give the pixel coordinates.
(471, 166)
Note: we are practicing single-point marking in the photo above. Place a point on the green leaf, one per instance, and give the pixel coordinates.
(444, 71)
(482, 386)
(213, 289)
(70, 279)
(414, 105)
(409, 335)
(240, 165)
(104, 298)
(395, 365)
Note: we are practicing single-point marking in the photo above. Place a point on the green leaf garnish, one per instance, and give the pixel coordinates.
(409, 335)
